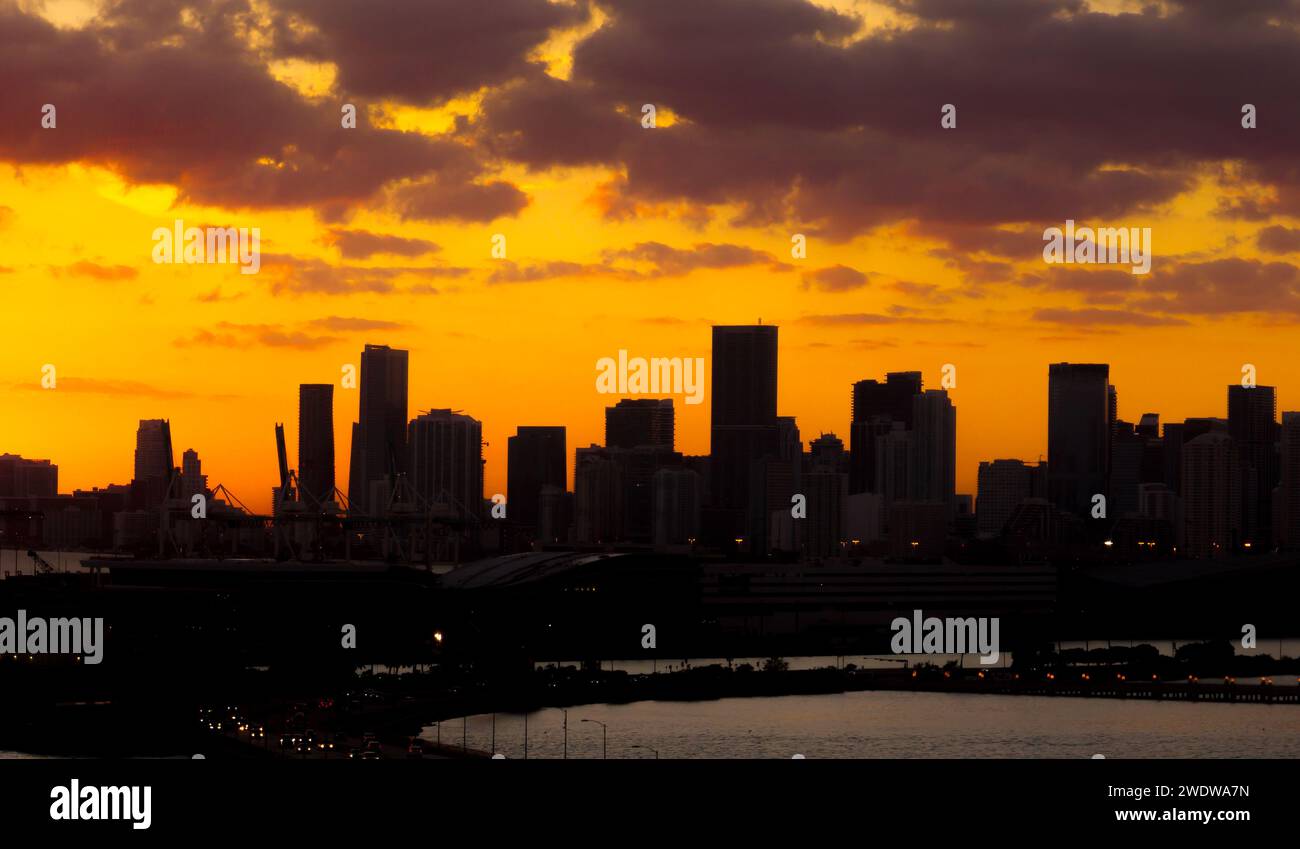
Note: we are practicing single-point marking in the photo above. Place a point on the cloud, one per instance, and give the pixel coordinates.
(362, 244)
(1103, 317)
(102, 272)
(119, 388)
(835, 278)
(302, 275)
(669, 261)
(1279, 240)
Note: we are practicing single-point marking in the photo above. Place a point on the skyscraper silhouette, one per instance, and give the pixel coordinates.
(636, 422)
(379, 444)
(1211, 496)
(316, 442)
(1078, 434)
(535, 458)
(446, 460)
(934, 446)
(743, 417)
(875, 407)
(1252, 423)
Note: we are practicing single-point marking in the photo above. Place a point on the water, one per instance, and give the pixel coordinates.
(895, 725)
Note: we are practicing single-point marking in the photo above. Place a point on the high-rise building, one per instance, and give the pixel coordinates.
(744, 424)
(1211, 496)
(535, 458)
(677, 507)
(1252, 423)
(1289, 487)
(934, 447)
(316, 442)
(153, 449)
(597, 497)
(1127, 451)
(153, 463)
(894, 465)
(876, 406)
(193, 481)
(1003, 486)
(636, 422)
(1078, 434)
(379, 439)
(826, 454)
(27, 478)
(445, 452)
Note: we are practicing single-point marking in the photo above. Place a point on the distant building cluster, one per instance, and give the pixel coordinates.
(1202, 488)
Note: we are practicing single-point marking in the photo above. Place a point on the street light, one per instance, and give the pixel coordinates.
(651, 748)
(604, 737)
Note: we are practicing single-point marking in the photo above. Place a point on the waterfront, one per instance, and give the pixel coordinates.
(894, 725)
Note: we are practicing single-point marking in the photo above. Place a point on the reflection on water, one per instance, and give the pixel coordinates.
(893, 725)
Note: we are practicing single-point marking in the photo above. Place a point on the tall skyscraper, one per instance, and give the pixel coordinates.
(153, 464)
(1211, 496)
(1078, 434)
(379, 444)
(1252, 423)
(1003, 486)
(934, 446)
(535, 458)
(598, 489)
(743, 417)
(1288, 490)
(445, 451)
(875, 407)
(316, 442)
(193, 481)
(636, 422)
(153, 449)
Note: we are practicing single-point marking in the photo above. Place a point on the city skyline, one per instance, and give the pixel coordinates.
(616, 236)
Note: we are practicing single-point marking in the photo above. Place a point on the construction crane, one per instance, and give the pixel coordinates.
(39, 561)
(286, 491)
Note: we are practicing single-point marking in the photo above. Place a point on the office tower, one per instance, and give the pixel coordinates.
(193, 481)
(316, 442)
(677, 507)
(637, 469)
(153, 449)
(1127, 451)
(27, 478)
(1289, 487)
(379, 439)
(1252, 423)
(744, 424)
(934, 446)
(634, 422)
(554, 515)
(1148, 427)
(597, 497)
(1157, 501)
(1002, 486)
(1078, 434)
(823, 527)
(773, 484)
(826, 454)
(894, 465)
(1211, 496)
(534, 459)
(445, 452)
(153, 464)
(874, 409)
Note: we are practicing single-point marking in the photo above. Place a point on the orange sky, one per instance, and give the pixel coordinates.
(221, 354)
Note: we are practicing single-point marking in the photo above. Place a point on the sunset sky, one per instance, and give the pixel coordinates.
(523, 118)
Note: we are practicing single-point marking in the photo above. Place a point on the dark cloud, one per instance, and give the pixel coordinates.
(669, 261)
(420, 51)
(437, 200)
(835, 278)
(173, 93)
(362, 244)
(1279, 240)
